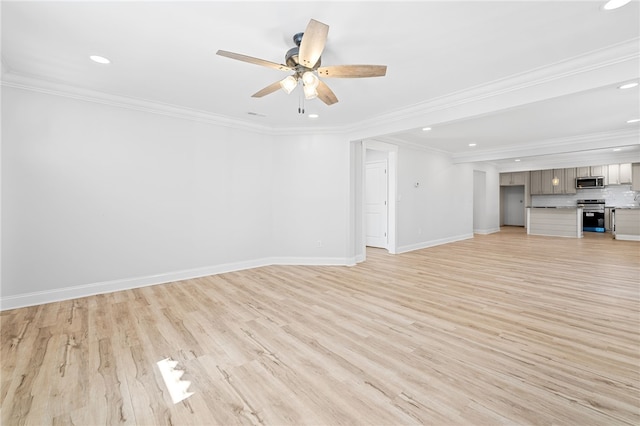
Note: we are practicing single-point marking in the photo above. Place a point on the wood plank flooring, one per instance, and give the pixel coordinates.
(502, 329)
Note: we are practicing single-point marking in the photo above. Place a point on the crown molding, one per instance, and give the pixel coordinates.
(390, 139)
(582, 159)
(402, 119)
(624, 53)
(554, 146)
(24, 82)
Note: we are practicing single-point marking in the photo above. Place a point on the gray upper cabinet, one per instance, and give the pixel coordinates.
(566, 181)
(541, 181)
(546, 181)
(513, 178)
(535, 177)
(570, 181)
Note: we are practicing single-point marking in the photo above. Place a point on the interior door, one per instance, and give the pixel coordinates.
(513, 212)
(376, 203)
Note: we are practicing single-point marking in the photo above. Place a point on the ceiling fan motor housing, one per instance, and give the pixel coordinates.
(291, 58)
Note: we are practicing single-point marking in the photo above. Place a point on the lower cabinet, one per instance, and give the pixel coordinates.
(607, 220)
(635, 177)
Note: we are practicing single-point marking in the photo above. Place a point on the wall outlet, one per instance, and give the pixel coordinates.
(319, 243)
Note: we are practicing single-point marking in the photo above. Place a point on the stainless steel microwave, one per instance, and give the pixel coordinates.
(590, 182)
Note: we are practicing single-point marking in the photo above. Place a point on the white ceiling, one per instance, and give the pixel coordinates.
(164, 53)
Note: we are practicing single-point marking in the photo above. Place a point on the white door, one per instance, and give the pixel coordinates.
(513, 212)
(375, 203)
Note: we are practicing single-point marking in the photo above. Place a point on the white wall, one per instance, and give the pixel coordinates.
(486, 205)
(440, 208)
(98, 198)
(93, 193)
(310, 187)
(479, 201)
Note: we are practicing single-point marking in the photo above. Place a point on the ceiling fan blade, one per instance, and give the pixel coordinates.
(267, 90)
(325, 94)
(353, 71)
(312, 44)
(252, 60)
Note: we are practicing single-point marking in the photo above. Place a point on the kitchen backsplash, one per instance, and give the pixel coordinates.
(614, 196)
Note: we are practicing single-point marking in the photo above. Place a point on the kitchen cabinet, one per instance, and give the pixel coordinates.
(535, 182)
(635, 174)
(619, 174)
(566, 181)
(570, 181)
(513, 178)
(600, 171)
(583, 171)
(541, 181)
(546, 181)
(613, 172)
(607, 219)
(627, 224)
(626, 174)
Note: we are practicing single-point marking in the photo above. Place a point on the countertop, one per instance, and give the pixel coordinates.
(552, 207)
(575, 207)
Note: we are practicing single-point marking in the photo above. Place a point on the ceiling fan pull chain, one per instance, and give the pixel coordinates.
(300, 104)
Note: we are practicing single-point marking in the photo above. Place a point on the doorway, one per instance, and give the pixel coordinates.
(513, 205)
(376, 196)
(378, 191)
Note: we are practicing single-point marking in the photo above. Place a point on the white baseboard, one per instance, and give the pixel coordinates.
(67, 293)
(623, 237)
(323, 261)
(432, 243)
(486, 231)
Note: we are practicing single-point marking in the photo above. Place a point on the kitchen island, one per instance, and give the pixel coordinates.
(627, 223)
(555, 221)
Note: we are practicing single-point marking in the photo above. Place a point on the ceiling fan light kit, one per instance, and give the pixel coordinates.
(310, 92)
(304, 61)
(288, 84)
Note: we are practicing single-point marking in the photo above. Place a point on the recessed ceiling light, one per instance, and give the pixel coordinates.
(628, 85)
(614, 4)
(517, 159)
(472, 144)
(426, 129)
(617, 149)
(313, 116)
(99, 59)
(635, 120)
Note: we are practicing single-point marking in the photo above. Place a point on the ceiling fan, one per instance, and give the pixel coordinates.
(304, 61)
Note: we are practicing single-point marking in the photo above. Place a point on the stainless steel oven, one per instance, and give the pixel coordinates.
(592, 215)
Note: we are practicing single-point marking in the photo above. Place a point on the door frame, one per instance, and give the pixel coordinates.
(503, 203)
(392, 167)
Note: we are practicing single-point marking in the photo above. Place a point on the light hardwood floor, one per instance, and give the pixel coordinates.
(502, 329)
